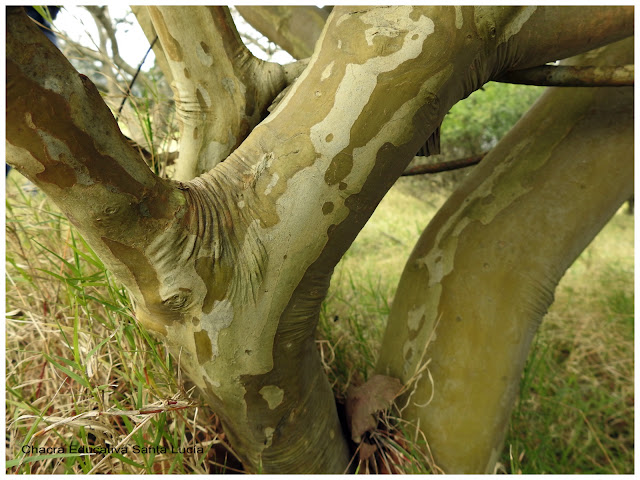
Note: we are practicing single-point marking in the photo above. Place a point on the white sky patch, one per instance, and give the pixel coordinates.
(78, 25)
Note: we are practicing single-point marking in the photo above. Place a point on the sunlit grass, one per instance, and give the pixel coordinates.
(75, 355)
(74, 349)
(575, 414)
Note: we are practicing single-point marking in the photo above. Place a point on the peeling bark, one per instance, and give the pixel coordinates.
(483, 273)
(230, 268)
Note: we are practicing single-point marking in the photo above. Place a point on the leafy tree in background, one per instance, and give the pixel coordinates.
(230, 262)
(474, 126)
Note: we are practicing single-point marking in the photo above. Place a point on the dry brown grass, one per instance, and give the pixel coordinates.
(80, 372)
(74, 353)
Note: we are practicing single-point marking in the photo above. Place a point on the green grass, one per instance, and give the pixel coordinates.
(74, 349)
(575, 414)
(75, 355)
(576, 410)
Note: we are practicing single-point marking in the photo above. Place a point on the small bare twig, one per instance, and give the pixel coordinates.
(443, 166)
(571, 76)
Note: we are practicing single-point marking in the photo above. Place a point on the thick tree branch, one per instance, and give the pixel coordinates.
(572, 76)
(62, 136)
(294, 28)
(483, 273)
(231, 268)
(221, 90)
(575, 30)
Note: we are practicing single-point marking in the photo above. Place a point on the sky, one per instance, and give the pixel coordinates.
(78, 24)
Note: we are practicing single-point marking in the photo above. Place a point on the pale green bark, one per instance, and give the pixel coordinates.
(230, 268)
(221, 90)
(483, 273)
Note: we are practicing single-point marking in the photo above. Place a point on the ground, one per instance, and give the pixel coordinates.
(73, 348)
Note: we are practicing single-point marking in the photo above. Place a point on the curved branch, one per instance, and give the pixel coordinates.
(572, 76)
(237, 274)
(483, 273)
(62, 136)
(294, 28)
(221, 90)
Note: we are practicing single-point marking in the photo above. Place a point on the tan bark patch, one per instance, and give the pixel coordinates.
(203, 346)
(273, 395)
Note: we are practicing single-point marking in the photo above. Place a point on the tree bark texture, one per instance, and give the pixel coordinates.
(230, 268)
(483, 273)
(294, 28)
(221, 90)
(572, 76)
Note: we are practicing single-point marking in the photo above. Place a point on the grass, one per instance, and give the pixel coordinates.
(576, 410)
(81, 372)
(575, 413)
(75, 356)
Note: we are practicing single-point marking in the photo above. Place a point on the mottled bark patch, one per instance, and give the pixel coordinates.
(216, 278)
(273, 395)
(228, 254)
(146, 278)
(51, 113)
(170, 45)
(327, 208)
(203, 346)
(339, 168)
(58, 174)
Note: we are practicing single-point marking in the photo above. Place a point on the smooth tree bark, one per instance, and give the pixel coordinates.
(220, 89)
(294, 29)
(230, 268)
(573, 76)
(483, 273)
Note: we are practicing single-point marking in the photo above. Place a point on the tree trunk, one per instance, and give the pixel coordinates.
(230, 269)
(483, 273)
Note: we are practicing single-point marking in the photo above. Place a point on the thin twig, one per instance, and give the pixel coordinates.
(572, 76)
(443, 166)
(124, 100)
